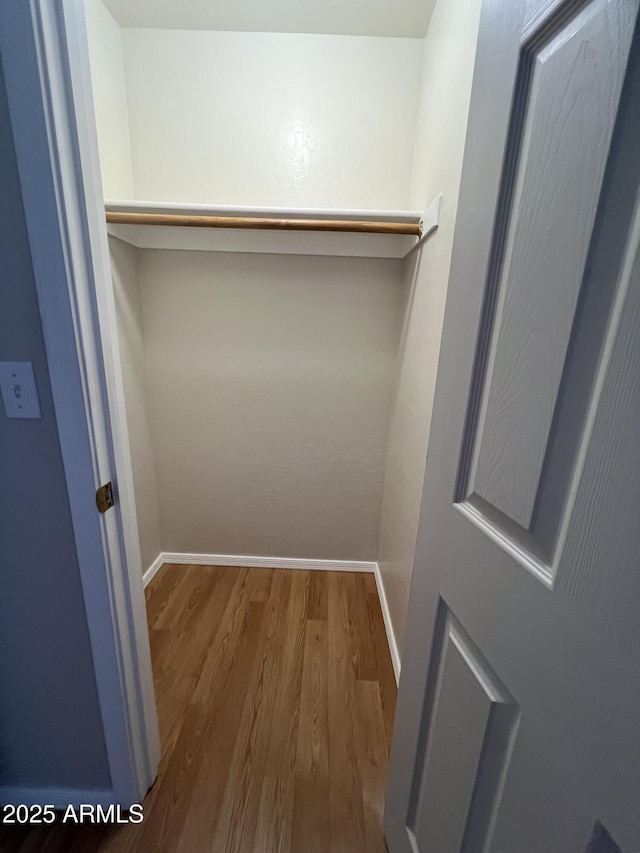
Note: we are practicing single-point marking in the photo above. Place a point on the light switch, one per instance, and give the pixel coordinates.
(19, 393)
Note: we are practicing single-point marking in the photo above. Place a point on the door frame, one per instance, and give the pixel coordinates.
(46, 68)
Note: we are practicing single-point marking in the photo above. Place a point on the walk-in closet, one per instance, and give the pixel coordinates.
(280, 186)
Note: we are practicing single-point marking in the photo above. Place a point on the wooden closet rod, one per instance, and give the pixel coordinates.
(413, 229)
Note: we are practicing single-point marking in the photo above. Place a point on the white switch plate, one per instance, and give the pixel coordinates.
(19, 393)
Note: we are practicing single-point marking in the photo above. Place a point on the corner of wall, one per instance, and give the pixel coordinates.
(416, 199)
(127, 100)
(448, 61)
(125, 264)
(108, 73)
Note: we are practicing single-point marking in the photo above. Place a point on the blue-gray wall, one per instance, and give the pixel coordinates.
(50, 726)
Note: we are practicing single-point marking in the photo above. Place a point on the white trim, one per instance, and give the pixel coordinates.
(388, 625)
(153, 569)
(46, 67)
(254, 562)
(248, 241)
(320, 213)
(59, 798)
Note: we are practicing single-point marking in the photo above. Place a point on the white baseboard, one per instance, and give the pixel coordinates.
(386, 615)
(254, 562)
(59, 798)
(153, 569)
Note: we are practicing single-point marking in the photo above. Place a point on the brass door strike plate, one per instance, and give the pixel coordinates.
(104, 497)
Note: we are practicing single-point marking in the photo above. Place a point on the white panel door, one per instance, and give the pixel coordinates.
(518, 719)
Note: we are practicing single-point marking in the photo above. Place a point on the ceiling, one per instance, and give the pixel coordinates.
(408, 18)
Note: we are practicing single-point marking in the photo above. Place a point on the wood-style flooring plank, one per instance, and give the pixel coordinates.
(180, 596)
(346, 814)
(372, 759)
(367, 661)
(238, 816)
(262, 579)
(275, 816)
(221, 727)
(386, 675)
(275, 696)
(159, 593)
(221, 710)
(180, 660)
(283, 734)
(310, 830)
(313, 731)
(370, 582)
(317, 596)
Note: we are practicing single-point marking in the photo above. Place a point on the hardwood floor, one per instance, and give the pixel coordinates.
(276, 697)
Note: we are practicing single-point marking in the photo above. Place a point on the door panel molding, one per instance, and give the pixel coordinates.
(509, 481)
(571, 86)
(459, 776)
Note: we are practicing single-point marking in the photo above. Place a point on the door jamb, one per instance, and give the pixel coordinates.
(47, 76)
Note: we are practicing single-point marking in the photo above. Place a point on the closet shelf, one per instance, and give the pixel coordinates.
(298, 231)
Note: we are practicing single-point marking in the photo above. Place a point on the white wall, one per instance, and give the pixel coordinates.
(270, 384)
(110, 96)
(272, 119)
(51, 732)
(126, 286)
(449, 52)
